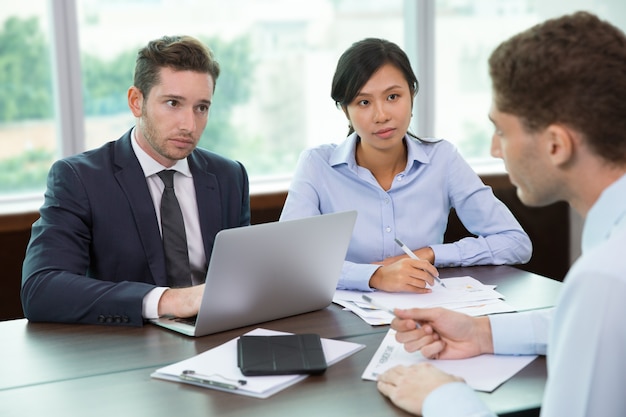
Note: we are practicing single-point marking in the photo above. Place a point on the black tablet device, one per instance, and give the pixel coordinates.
(281, 354)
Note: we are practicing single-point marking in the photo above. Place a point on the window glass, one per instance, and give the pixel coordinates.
(27, 125)
(277, 56)
(466, 32)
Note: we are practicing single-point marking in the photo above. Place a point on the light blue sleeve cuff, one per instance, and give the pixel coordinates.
(446, 255)
(524, 333)
(455, 399)
(356, 276)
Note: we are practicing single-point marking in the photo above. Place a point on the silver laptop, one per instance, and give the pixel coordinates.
(270, 271)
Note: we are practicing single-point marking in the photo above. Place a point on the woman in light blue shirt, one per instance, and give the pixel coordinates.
(402, 186)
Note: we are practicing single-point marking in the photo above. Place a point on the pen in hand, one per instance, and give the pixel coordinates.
(414, 256)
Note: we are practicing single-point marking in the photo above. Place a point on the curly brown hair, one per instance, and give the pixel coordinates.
(569, 70)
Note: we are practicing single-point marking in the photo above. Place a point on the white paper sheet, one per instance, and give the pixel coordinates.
(482, 373)
(464, 294)
(459, 290)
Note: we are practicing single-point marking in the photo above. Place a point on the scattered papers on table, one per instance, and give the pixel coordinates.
(353, 301)
(464, 294)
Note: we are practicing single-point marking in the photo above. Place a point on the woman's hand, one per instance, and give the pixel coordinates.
(405, 275)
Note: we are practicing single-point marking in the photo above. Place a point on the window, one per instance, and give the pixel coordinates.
(278, 57)
(272, 98)
(466, 32)
(28, 139)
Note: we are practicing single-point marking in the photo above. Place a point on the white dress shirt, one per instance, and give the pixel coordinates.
(186, 195)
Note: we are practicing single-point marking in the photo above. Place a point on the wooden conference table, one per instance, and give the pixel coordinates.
(82, 370)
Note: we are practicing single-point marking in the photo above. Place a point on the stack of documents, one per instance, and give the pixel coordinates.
(217, 368)
(482, 373)
(464, 294)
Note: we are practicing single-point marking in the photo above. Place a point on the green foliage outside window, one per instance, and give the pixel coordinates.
(26, 94)
(25, 77)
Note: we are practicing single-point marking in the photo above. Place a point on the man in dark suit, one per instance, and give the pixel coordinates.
(96, 254)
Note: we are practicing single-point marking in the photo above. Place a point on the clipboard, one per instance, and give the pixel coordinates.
(217, 368)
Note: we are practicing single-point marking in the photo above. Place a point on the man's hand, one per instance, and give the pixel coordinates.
(443, 333)
(408, 387)
(181, 302)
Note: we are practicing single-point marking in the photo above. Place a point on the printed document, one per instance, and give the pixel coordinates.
(464, 294)
(482, 373)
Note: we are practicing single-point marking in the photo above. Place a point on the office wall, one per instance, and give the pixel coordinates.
(14, 235)
(548, 228)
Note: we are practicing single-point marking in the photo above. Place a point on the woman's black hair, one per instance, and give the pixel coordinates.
(359, 62)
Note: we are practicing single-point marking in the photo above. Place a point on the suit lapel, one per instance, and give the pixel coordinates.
(131, 178)
(209, 201)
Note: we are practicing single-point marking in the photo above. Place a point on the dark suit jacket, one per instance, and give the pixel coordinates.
(96, 249)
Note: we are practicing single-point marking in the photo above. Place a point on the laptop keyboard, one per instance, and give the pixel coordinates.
(187, 320)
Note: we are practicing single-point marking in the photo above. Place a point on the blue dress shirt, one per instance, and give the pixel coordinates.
(415, 209)
(586, 341)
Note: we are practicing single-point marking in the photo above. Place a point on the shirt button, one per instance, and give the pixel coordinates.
(388, 229)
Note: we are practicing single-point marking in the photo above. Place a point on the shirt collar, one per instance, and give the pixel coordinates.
(344, 153)
(150, 166)
(606, 216)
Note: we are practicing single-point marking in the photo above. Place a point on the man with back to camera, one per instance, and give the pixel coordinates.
(96, 254)
(558, 110)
